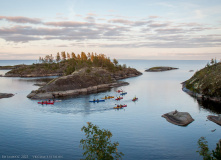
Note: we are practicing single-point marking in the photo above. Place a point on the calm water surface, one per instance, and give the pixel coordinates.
(43, 130)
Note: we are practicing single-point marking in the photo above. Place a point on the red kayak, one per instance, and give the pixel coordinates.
(45, 102)
(134, 99)
(118, 91)
(119, 98)
(120, 106)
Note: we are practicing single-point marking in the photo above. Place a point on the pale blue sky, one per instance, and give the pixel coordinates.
(126, 29)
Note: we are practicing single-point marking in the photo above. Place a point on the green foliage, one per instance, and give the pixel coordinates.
(124, 66)
(115, 62)
(69, 70)
(88, 70)
(65, 64)
(98, 145)
(207, 80)
(206, 153)
(58, 57)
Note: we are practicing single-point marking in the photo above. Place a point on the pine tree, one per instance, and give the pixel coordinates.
(51, 59)
(78, 56)
(115, 62)
(83, 56)
(68, 56)
(92, 57)
(63, 55)
(58, 58)
(73, 55)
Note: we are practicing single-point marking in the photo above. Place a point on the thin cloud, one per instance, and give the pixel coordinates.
(61, 46)
(170, 30)
(156, 25)
(21, 38)
(90, 19)
(92, 14)
(121, 21)
(66, 24)
(20, 19)
(153, 17)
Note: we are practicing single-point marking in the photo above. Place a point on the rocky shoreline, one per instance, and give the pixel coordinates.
(32, 75)
(159, 69)
(199, 96)
(75, 92)
(83, 82)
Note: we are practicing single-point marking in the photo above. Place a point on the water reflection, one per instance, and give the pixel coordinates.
(210, 106)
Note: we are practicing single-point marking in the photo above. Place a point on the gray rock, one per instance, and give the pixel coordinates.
(47, 95)
(30, 95)
(6, 95)
(178, 118)
(215, 119)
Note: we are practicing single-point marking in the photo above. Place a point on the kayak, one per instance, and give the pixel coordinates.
(120, 107)
(123, 93)
(134, 99)
(99, 100)
(46, 102)
(109, 97)
(118, 91)
(119, 98)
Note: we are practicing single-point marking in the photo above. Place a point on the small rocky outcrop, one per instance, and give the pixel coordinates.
(178, 118)
(215, 119)
(159, 69)
(83, 81)
(6, 95)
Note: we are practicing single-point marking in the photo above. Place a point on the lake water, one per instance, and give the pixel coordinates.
(28, 128)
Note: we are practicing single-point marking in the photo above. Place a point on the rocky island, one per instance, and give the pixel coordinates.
(159, 69)
(205, 84)
(6, 95)
(81, 74)
(83, 81)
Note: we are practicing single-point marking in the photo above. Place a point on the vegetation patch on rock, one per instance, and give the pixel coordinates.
(206, 83)
(64, 64)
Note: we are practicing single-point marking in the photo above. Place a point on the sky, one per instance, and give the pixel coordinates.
(122, 29)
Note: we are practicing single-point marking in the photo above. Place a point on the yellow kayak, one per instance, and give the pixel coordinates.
(118, 107)
(109, 97)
